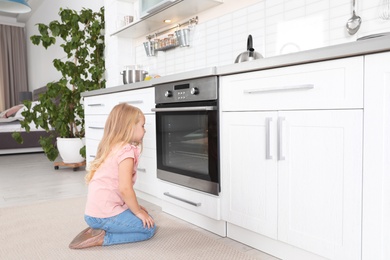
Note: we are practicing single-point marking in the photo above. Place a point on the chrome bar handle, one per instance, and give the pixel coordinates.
(132, 102)
(279, 88)
(196, 204)
(268, 155)
(96, 105)
(281, 156)
(96, 127)
(141, 169)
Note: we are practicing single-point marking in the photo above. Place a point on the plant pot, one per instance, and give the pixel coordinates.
(69, 149)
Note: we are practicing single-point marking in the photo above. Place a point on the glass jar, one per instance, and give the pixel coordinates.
(171, 40)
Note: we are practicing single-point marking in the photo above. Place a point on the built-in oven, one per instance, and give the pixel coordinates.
(187, 129)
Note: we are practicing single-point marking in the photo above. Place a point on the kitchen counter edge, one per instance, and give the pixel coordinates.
(211, 71)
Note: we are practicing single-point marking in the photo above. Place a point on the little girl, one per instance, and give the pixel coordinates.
(112, 210)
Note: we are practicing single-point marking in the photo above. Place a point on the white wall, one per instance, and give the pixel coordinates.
(277, 27)
(40, 67)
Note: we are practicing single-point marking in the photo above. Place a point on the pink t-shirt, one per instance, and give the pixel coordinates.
(104, 199)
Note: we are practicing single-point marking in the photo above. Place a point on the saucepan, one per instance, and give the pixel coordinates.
(133, 75)
(250, 53)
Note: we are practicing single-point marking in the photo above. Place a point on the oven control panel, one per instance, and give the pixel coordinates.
(189, 90)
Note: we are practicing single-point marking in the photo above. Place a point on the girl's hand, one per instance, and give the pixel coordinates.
(143, 208)
(146, 219)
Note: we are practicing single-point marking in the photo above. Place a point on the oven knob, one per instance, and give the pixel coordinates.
(168, 93)
(194, 91)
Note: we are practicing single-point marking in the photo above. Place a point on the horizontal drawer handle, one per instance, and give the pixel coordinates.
(96, 105)
(132, 102)
(196, 204)
(92, 156)
(141, 169)
(96, 127)
(280, 88)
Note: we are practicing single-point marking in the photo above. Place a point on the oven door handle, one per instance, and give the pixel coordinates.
(175, 109)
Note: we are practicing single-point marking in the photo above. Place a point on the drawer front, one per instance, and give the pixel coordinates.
(103, 104)
(92, 146)
(321, 85)
(141, 98)
(201, 203)
(94, 126)
(147, 161)
(97, 105)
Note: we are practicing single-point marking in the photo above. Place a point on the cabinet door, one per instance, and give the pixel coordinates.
(249, 173)
(320, 182)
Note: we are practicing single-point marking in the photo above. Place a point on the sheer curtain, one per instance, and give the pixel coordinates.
(13, 65)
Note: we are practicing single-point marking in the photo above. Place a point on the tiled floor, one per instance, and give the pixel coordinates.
(30, 178)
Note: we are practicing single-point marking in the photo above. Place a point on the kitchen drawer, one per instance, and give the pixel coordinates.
(199, 202)
(147, 161)
(103, 104)
(94, 126)
(146, 172)
(322, 85)
(97, 105)
(141, 98)
(92, 146)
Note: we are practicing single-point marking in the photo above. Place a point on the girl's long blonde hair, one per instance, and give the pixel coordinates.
(118, 131)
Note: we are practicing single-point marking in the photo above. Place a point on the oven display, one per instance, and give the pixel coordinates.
(182, 86)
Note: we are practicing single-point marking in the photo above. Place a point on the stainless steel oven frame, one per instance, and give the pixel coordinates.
(194, 97)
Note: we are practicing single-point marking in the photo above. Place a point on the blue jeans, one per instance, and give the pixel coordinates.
(122, 228)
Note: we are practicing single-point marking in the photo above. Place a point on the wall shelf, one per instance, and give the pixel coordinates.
(177, 12)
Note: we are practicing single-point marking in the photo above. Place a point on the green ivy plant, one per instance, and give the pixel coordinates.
(60, 111)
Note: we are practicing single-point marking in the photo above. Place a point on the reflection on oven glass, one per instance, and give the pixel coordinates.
(187, 143)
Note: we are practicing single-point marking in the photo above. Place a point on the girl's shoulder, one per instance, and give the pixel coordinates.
(128, 148)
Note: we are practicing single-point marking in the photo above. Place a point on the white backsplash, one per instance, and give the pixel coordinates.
(277, 27)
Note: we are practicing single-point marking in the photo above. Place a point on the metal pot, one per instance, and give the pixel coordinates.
(183, 37)
(250, 54)
(149, 48)
(131, 76)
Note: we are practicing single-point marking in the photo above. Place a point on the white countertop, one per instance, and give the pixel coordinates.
(362, 47)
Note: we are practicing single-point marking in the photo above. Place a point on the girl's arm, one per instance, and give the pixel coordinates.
(128, 194)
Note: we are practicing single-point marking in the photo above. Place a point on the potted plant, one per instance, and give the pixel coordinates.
(60, 111)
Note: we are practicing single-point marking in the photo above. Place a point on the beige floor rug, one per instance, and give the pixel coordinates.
(44, 230)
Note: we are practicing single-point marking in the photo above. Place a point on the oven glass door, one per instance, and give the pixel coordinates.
(187, 140)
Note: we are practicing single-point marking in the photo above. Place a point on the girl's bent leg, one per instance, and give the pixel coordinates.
(123, 228)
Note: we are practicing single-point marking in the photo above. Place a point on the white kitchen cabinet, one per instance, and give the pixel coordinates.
(376, 175)
(296, 176)
(97, 109)
(291, 159)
